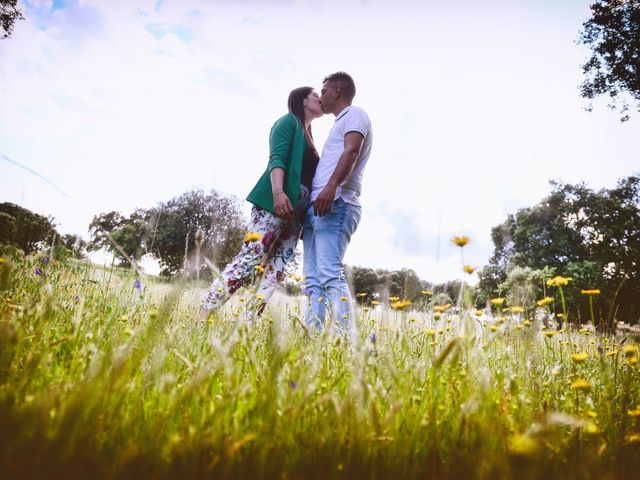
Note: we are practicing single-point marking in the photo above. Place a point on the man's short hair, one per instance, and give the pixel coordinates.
(344, 80)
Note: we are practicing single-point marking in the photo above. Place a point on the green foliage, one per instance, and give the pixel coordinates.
(526, 285)
(613, 35)
(123, 236)
(220, 219)
(575, 231)
(100, 380)
(8, 229)
(9, 13)
(170, 229)
(101, 226)
(74, 244)
(365, 280)
(31, 231)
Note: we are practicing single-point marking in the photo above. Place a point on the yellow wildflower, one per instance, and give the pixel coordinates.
(634, 413)
(427, 293)
(400, 304)
(375, 302)
(545, 301)
(630, 349)
(591, 293)
(494, 328)
(460, 241)
(632, 438)
(559, 281)
(430, 332)
(517, 310)
(259, 268)
(579, 357)
(591, 428)
(394, 299)
(549, 333)
(252, 237)
(365, 309)
(259, 296)
(581, 385)
(2, 260)
(343, 299)
(523, 446)
(469, 269)
(362, 294)
(497, 301)
(297, 278)
(527, 323)
(124, 317)
(442, 308)
(479, 313)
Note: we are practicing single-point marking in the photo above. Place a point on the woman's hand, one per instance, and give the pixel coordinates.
(282, 206)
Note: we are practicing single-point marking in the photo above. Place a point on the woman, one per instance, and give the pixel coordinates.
(280, 198)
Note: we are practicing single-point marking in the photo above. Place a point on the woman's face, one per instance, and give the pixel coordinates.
(312, 104)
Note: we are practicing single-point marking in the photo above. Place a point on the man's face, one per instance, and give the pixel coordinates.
(328, 96)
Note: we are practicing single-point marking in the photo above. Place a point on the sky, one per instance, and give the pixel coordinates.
(475, 107)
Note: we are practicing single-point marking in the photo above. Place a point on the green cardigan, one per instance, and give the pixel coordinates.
(286, 147)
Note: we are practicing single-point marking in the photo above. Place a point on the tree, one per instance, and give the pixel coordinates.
(169, 230)
(613, 34)
(220, 219)
(8, 229)
(119, 234)
(525, 285)
(591, 236)
(100, 228)
(31, 229)
(74, 244)
(9, 13)
(365, 280)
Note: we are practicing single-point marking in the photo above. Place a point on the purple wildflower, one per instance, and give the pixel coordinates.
(373, 337)
(38, 271)
(293, 384)
(137, 285)
(45, 260)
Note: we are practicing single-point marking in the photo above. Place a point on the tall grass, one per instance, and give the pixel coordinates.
(99, 379)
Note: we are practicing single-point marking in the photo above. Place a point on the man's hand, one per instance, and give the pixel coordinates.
(282, 206)
(324, 201)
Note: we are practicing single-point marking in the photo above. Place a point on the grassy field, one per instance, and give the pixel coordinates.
(99, 378)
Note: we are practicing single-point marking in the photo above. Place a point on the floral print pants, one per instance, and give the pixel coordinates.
(262, 260)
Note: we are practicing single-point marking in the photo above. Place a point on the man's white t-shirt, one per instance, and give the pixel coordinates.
(350, 119)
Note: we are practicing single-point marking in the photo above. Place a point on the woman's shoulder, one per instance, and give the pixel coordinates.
(288, 120)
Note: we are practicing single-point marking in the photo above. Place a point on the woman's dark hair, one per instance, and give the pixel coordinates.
(296, 98)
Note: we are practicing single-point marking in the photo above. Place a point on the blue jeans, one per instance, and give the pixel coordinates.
(325, 243)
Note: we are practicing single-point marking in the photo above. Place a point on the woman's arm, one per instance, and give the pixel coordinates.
(281, 203)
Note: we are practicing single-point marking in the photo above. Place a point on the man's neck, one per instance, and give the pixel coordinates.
(340, 107)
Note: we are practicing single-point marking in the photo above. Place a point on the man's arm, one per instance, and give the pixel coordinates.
(352, 145)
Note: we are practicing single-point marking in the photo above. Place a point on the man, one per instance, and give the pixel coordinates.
(334, 213)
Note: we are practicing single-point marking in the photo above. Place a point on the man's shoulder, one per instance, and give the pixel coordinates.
(358, 110)
(358, 114)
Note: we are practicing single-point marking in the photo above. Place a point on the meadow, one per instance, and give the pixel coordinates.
(106, 376)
